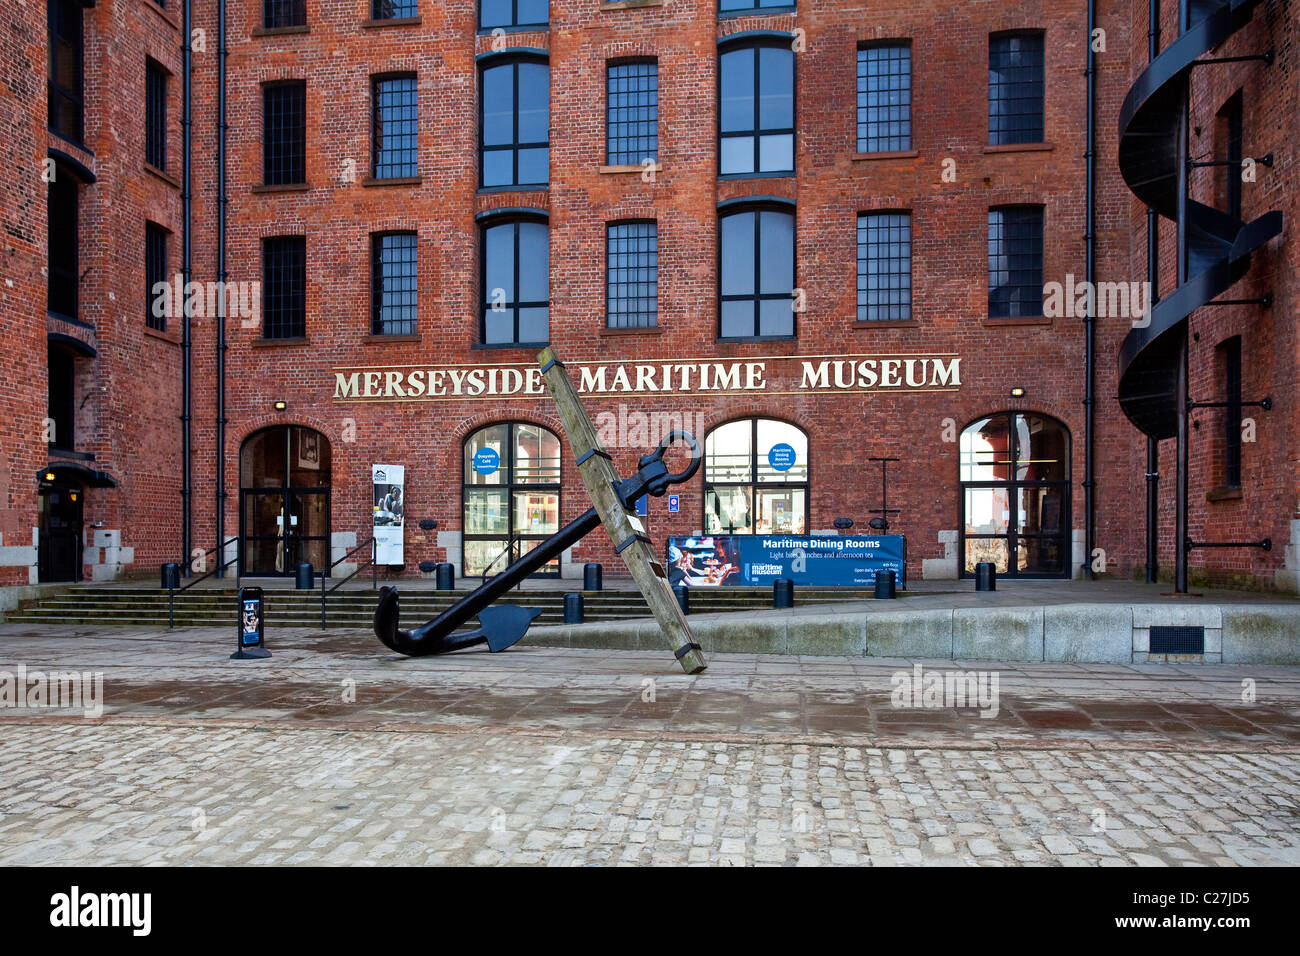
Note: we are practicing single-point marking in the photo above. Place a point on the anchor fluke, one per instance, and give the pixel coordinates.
(500, 626)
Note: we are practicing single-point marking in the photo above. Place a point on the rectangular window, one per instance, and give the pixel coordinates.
(155, 272)
(756, 274)
(396, 124)
(884, 267)
(511, 13)
(515, 124)
(393, 283)
(65, 89)
(884, 98)
(631, 113)
(741, 6)
(284, 134)
(155, 109)
(516, 282)
(284, 287)
(64, 270)
(756, 110)
(1015, 261)
(394, 9)
(284, 13)
(1016, 89)
(632, 275)
(1231, 350)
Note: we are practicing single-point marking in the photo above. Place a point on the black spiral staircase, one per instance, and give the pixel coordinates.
(1217, 246)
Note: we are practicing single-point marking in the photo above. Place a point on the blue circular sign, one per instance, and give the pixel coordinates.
(781, 457)
(487, 461)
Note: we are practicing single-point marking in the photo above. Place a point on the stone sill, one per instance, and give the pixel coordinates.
(163, 175)
(279, 31)
(392, 181)
(374, 339)
(170, 337)
(1018, 320)
(392, 22)
(898, 154)
(638, 330)
(1020, 148)
(264, 343)
(631, 168)
(282, 188)
(864, 325)
(612, 5)
(1223, 494)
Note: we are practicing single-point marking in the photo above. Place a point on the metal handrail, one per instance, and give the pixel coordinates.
(221, 566)
(374, 573)
(508, 549)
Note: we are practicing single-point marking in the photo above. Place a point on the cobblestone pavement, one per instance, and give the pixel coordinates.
(333, 752)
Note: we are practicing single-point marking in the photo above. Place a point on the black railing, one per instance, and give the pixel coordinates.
(221, 566)
(511, 549)
(374, 573)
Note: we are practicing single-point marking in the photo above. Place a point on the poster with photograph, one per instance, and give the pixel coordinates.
(389, 485)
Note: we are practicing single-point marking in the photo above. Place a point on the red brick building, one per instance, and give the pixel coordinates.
(834, 226)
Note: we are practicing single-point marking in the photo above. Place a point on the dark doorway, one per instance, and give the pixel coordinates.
(284, 501)
(60, 548)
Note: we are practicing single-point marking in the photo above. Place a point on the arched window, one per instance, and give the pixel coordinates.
(1015, 495)
(511, 494)
(514, 122)
(756, 478)
(284, 500)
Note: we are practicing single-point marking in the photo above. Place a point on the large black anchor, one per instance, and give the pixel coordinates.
(502, 625)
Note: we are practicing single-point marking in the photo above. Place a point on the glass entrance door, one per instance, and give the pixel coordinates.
(284, 514)
(1015, 496)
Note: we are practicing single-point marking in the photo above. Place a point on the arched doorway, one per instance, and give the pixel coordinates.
(284, 500)
(511, 495)
(1015, 495)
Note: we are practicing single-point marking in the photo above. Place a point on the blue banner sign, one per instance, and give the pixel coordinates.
(828, 560)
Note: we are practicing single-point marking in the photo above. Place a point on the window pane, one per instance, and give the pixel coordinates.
(736, 106)
(394, 285)
(884, 99)
(736, 155)
(498, 327)
(498, 167)
(499, 262)
(1016, 261)
(776, 268)
(885, 266)
(284, 284)
(534, 325)
(1043, 449)
(727, 511)
(533, 166)
(738, 254)
(537, 455)
(531, 11)
(738, 318)
(284, 132)
(534, 267)
(780, 512)
(775, 153)
(988, 510)
(1016, 89)
(495, 438)
(773, 433)
(728, 452)
(986, 450)
(485, 512)
(534, 102)
(396, 124)
(632, 113)
(776, 317)
(498, 105)
(776, 87)
(632, 275)
(496, 13)
(536, 513)
(996, 550)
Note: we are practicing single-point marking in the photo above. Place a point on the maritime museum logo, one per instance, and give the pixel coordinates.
(779, 375)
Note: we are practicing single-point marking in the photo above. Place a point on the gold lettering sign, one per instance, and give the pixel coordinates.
(774, 375)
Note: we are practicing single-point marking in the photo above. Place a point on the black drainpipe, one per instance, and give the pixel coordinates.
(1153, 281)
(1090, 203)
(220, 502)
(186, 266)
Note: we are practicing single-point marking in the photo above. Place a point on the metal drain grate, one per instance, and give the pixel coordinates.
(1166, 639)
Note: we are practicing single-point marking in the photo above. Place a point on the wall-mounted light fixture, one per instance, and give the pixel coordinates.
(281, 406)
(1017, 392)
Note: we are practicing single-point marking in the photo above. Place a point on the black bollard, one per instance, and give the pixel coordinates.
(573, 609)
(986, 576)
(783, 593)
(445, 574)
(171, 575)
(303, 576)
(885, 584)
(593, 577)
(427, 568)
(683, 595)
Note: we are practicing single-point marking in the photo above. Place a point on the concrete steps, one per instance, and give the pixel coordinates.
(126, 606)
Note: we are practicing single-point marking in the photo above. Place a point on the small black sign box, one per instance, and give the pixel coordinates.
(251, 641)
